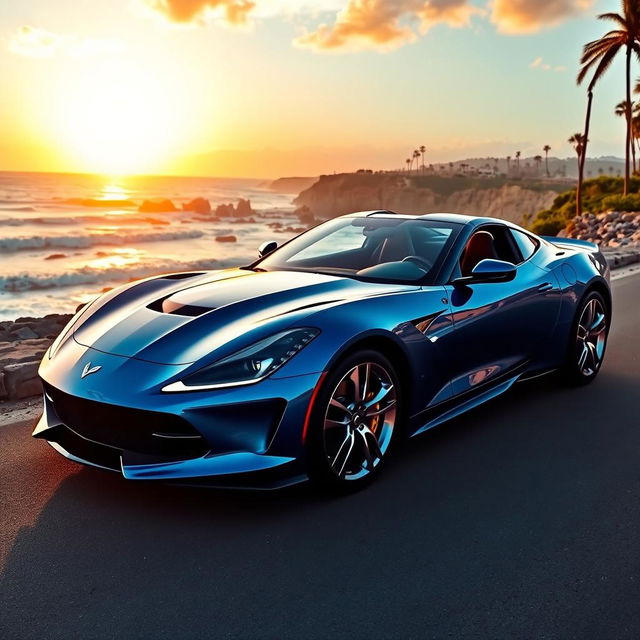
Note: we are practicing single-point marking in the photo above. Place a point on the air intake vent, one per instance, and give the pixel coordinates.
(166, 305)
(182, 276)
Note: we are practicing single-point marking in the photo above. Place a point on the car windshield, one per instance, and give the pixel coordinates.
(377, 248)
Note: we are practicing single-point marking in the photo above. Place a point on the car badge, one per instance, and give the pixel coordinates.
(88, 370)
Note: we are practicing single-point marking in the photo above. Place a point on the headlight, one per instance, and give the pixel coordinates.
(249, 365)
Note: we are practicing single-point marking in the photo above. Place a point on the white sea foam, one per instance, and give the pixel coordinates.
(10, 244)
(94, 276)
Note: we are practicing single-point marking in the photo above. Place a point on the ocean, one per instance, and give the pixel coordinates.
(64, 238)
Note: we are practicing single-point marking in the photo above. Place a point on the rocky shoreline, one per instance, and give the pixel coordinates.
(23, 343)
(610, 230)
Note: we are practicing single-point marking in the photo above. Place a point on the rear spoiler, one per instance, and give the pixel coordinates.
(572, 243)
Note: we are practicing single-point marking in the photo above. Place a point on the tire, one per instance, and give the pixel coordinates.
(350, 433)
(587, 341)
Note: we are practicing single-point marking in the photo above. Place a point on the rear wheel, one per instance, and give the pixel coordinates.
(588, 340)
(354, 422)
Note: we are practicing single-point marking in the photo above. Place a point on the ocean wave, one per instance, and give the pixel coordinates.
(94, 276)
(20, 243)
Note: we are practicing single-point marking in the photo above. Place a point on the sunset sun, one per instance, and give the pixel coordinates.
(118, 121)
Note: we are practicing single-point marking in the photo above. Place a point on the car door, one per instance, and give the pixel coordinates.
(500, 327)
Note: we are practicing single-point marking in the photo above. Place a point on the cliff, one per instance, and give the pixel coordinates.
(291, 185)
(336, 195)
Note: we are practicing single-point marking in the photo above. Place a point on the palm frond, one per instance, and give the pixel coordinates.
(604, 60)
(614, 17)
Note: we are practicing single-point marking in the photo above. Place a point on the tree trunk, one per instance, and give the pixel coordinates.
(583, 155)
(628, 114)
(546, 162)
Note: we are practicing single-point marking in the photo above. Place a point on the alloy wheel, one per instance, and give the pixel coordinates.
(591, 337)
(359, 421)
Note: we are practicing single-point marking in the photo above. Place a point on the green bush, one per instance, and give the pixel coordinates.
(598, 194)
(548, 222)
(621, 203)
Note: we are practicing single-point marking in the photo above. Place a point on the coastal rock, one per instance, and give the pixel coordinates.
(612, 229)
(198, 205)
(243, 208)
(22, 333)
(305, 215)
(229, 238)
(157, 206)
(21, 380)
(23, 351)
(225, 210)
(3, 387)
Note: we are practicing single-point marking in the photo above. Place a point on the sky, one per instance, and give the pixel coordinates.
(264, 88)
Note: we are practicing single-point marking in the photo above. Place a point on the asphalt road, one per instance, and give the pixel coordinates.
(519, 520)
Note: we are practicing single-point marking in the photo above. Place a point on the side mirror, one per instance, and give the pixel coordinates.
(266, 248)
(489, 270)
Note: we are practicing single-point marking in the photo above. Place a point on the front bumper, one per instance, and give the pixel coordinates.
(243, 436)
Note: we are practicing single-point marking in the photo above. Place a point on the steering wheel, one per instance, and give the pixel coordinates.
(419, 261)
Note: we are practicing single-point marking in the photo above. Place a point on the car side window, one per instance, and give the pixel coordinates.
(526, 243)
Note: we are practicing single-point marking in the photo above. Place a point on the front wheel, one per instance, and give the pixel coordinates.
(588, 340)
(354, 421)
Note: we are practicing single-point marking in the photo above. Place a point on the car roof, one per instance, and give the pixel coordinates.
(437, 217)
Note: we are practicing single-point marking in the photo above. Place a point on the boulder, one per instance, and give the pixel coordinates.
(21, 380)
(156, 206)
(25, 351)
(243, 208)
(22, 333)
(197, 205)
(305, 215)
(224, 210)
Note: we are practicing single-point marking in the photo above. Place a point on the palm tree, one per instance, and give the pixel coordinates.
(578, 142)
(518, 154)
(408, 161)
(538, 161)
(416, 155)
(622, 109)
(546, 150)
(422, 150)
(508, 164)
(604, 50)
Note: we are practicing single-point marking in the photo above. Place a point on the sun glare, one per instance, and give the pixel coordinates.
(119, 121)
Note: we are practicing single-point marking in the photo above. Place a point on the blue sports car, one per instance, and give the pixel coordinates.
(315, 359)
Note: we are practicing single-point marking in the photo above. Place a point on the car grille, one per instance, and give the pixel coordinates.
(136, 430)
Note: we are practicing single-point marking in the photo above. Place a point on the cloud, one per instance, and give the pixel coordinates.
(386, 24)
(235, 12)
(539, 63)
(33, 42)
(529, 16)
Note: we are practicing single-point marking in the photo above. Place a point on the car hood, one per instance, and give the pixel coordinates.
(171, 321)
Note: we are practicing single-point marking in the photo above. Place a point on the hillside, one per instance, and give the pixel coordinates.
(291, 185)
(335, 195)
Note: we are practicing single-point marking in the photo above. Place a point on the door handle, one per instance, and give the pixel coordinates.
(547, 286)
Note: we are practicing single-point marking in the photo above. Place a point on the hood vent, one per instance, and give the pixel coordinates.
(182, 276)
(166, 305)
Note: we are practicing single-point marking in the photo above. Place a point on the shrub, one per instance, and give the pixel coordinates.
(548, 223)
(622, 203)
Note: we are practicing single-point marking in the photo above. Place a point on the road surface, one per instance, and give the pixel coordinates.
(519, 520)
